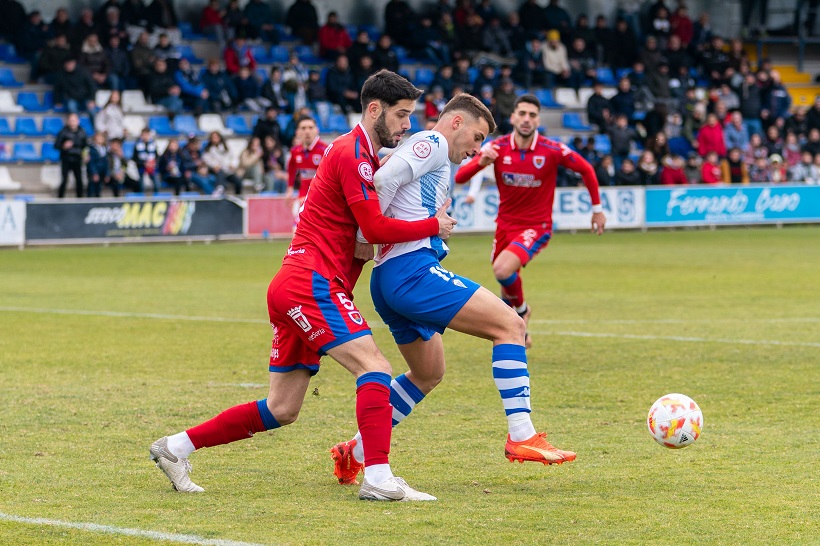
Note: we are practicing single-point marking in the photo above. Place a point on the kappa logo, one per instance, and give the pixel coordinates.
(539, 161)
(299, 318)
(433, 138)
(366, 171)
(356, 317)
(524, 392)
(422, 149)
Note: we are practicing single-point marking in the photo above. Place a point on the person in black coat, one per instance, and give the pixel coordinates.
(74, 87)
(599, 110)
(71, 141)
(340, 84)
(98, 165)
(268, 125)
(161, 14)
(303, 21)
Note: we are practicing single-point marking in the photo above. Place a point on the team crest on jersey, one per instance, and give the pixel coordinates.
(299, 318)
(507, 160)
(422, 149)
(298, 158)
(316, 159)
(366, 171)
(538, 161)
(356, 317)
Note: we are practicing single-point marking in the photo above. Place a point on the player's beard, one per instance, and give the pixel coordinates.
(386, 138)
(524, 134)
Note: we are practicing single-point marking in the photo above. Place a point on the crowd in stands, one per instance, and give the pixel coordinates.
(688, 105)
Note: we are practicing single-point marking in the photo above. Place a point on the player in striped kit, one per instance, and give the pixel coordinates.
(417, 298)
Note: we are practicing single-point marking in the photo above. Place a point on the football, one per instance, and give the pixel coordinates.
(675, 421)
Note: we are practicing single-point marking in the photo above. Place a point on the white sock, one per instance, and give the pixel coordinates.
(377, 473)
(180, 445)
(520, 426)
(521, 309)
(358, 449)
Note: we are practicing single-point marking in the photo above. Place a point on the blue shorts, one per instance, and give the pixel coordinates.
(416, 297)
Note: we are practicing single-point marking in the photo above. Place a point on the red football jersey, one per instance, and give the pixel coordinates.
(526, 179)
(304, 162)
(325, 236)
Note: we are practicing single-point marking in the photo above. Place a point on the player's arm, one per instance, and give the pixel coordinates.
(390, 177)
(578, 164)
(292, 171)
(381, 230)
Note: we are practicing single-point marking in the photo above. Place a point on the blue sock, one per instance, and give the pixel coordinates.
(268, 419)
(512, 379)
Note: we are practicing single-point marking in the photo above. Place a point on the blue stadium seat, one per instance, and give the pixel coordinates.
(337, 123)
(603, 144)
(87, 126)
(128, 149)
(27, 126)
(572, 120)
(188, 32)
(26, 152)
(49, 152)
(415, 126)
(261, 54)
(52, 125)
(162, 194)
(5, 128)
(161, 126)
(306, 55)
(622, 72)
(7, 78)
(423, 77)
(283, 120)
(373, 31)
(238, 124)
(185, 124)
(28, 198)
(48, 102)
(5, 152)
(8, 53)
(187, 52)
(638, 115)
(546, 98)
(473, 72)
(135, 195)
(680, 146)
(401, 54)
(605, 76)
(279, 54)
(30, 102)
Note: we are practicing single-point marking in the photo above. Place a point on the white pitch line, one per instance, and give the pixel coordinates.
(672, 321)
(126, 314)
(682, 338)
(111, 530)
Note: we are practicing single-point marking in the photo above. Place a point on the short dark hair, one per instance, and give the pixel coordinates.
(529, 99)
(305, 118)
(464, 102)
(389, 88)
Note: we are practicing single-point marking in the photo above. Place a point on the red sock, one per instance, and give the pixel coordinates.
(237, 423)
(374, 415)
(514, 292)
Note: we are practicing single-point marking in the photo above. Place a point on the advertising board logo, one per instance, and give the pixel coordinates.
(145, 218)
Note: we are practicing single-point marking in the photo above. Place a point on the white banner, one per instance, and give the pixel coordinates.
(625, 207)
(12, 222)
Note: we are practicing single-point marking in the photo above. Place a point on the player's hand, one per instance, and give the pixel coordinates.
(469, 199)
(445, 222)
(489, 153)
(598, 222)
(383, 160)
(363, 251)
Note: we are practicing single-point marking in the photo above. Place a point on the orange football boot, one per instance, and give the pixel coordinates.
(346, 467)
(536, 449)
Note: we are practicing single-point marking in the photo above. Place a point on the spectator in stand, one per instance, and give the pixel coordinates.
(289, 131)
(605, 171)
(171, 170)
(94, 60)
(778, 170)
(701, 33)
(52, 58)
(461, 76)
(693, 123)
(268, 125)
(604, 37)
(681, 26)
(817, 166)
(624, 101)
(627, 175)
(166, 50)
(81, 29)
(581, 63)
(674, 125)
(556, 17)
(111, 119)
(276, 176)
(495, 40)
(733, 168)
(161, 14)
(714, 61)
(813, 115)
(193, 93)
(384, 56)
(294, 81)
(621, 136)
(142, 62)
(735, 133)
(361, 46)
(504, 98)
(648, 169)
(556, 62)
(582, 30)
(220, 164)
(599, 110)
(59, 25)
(692, 168)
(759, 172)
(261, 22)
(673, 172)
(74, 88)
(751, 103)
(661, 26)
(303, 21)
(116, 166)
(333, 38)
(221, 91)
(399, 20)
(71, 141)
(363, 71)
(194, 169)
(486, 76)
(113, 26)
(235, 21)
(773, 142)
(237, 54)
(727, 96)
(211, 22)
(248, 91)
(532, 17)
(31, 41)
(805, 171)
(444, 80)
(651, 54)
(676, 56)
(252, 164)
(315, 90)
(737, 54)
(710, 172)
(97, 168)
(119, 64)
(341, 86)
(658, 145)
(710, 137)
(658, 81)
(778, 99)
(791, 150)
(755, 150)
(273, 90)
(447, 29)
(798, 123)
(145, 156)
(135, 13)
(164, 90)
(624, 46)
(812, 144)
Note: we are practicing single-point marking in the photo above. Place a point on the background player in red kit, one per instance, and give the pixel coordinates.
(526, 167)
(305, 157)
(310, 300)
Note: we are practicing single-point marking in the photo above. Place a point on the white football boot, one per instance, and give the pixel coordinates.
(393, 489)
(176, 468)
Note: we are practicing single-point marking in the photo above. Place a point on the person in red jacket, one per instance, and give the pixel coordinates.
(333, 38)
(710, 172)
(672, 173)
(710, 137)
(237, 54)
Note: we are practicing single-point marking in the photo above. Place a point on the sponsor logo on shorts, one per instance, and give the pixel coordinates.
(366, 171)
(356, 317)
(299, 318)
(528, 236)
(292, 251)
(538, 161)
(316, 334)
(422, 149)
(274, 354)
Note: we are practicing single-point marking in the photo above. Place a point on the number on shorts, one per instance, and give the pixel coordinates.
(346, 303)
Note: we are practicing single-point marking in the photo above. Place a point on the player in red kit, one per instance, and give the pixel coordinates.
(305, 157)
(310, 300)
(526, 167)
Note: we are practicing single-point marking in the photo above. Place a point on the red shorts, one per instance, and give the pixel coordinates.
(524, 243)
(309, 316)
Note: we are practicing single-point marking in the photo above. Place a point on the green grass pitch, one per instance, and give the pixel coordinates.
(103, 350)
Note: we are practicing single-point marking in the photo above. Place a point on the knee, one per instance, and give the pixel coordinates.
(502, 271)
(515, 328)
(428, 380)
(284, 414)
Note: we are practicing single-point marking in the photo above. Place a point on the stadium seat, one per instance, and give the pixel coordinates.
(128, 149)
(51, 176)
(30, 102)
(7, 78)
(279, 54)
(8, 53)
(52, 125)
(187, 52)
(102, 96)
(583, 95)
(283, 120)
(86, 124)
(401, 54)
(603, 144)
(238, 124)
(161, 126)
(48, 102)
(212, 122)
(5, 128)
(162, 145)
(134, 101)
(337, 123)
(680, 146)
(261, 54)
(306, 55)
(26, 152)
(605, 75)
(567, 98)
(7, 103)
(162, 194)
(134, 125)
(135, 195)
(622, 72)
(415, 125)
(185, 124)
(323, 111)
(187, 31)
(6, 182)
(639, 115)
(572, 120)
(546, 99)
(27, 197)
(49, 152)
(423, 77)
(27, 126)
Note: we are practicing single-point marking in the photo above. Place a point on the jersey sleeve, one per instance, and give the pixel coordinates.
(469, 170)
(292, 169)
(355, 175)
(424, 153)
(574, 162)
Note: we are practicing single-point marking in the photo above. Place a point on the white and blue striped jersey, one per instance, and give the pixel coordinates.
(427, 155)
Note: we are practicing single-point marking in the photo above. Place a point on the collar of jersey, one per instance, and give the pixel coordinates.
(532, 146)
(367, 138)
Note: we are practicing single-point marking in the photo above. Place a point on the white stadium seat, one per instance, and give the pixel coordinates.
(102, 96)
(213, 122)
(134, 125)
(50, 176)
(7, 103)
(6, 183)
(567, 97)
(134, 101)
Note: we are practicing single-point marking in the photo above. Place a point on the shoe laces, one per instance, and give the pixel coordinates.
(188, 466)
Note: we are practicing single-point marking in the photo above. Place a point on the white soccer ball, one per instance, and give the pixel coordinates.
(675, 421)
